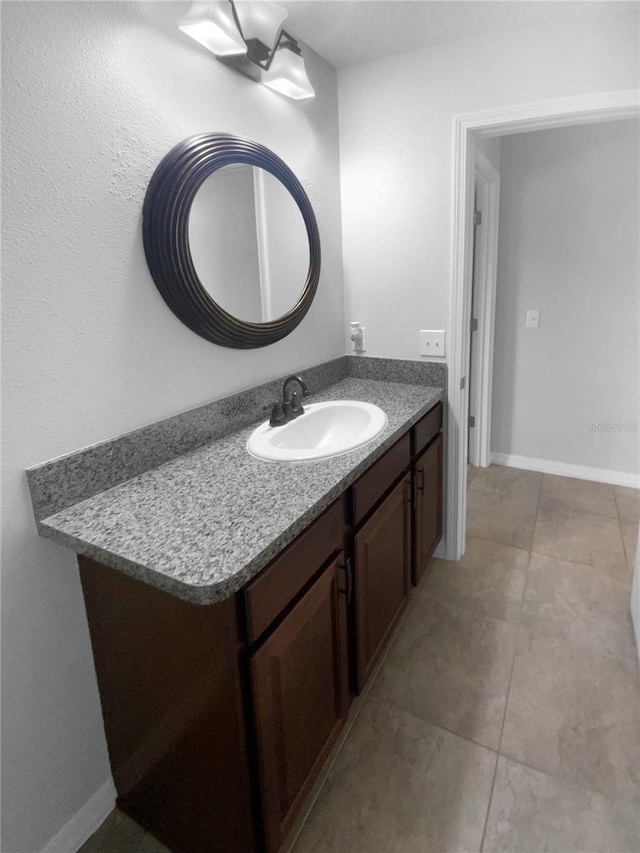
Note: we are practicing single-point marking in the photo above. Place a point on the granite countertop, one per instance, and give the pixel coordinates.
(202, 525)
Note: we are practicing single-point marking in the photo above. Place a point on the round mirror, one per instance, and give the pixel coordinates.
(249, 243)
(231, 240)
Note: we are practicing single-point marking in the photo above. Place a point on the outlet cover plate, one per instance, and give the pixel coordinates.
(533, 318)
(431, 343)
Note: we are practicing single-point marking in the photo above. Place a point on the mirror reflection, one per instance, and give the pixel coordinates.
(249, 243)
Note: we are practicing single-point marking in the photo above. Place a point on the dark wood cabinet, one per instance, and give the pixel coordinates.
(170, 686)
(220, 717)
(382, 562)
(428, 506)
(298, 686)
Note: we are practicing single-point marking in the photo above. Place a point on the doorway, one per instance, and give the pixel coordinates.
(538, 116)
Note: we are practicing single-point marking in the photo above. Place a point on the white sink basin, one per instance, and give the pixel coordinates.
(325, 429)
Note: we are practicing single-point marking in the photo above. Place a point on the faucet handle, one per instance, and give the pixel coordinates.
(278, 417)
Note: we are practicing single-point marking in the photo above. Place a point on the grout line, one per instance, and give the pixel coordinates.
(568, 506)
(571, 782)
(513, 662)
(431, 722)
(615, 500)
(626, 580)
(499, 542)
(504, 713)
(468, 609)
(601, 572)
(486, 817)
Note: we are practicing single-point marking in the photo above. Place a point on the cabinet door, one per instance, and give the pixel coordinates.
(382, 551)
(428, 504)
(298, 678)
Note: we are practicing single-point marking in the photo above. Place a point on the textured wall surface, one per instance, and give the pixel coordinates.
(396, 149)
(93, 96)
(568, 246)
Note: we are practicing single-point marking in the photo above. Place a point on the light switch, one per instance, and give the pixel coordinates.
(431, 343)
(533, 318)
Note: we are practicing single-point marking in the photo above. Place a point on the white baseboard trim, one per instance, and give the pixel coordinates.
(580, 472)
(84, 822)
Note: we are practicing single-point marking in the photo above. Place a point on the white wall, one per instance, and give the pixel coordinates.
(396, 146)
(94, 95)
(224, 243)
(568, 246)
(286, 248)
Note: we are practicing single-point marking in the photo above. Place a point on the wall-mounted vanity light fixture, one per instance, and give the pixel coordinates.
(248, 36)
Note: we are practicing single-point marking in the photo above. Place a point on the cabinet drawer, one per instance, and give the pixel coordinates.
(371, 486)
(426, 428)
(267, 596)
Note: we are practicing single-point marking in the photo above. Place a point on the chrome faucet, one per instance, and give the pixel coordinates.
(291, 405)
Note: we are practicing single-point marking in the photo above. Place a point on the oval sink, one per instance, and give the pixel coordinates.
(325, 429)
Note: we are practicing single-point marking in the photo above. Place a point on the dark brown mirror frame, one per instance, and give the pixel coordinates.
(165, 226)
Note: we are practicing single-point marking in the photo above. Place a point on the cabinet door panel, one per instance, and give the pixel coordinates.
(298, 679)
(428, 515)
(382, 549)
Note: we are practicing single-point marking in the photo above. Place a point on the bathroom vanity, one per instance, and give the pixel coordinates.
(224, 690)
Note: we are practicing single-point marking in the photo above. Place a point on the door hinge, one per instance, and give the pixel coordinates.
(463, 382)
(472, 421)
(474, 325)
(477, 217)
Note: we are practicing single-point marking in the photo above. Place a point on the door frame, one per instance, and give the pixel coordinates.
(543, 115)
(486, 246)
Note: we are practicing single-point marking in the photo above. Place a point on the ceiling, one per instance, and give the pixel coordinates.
(346, 32)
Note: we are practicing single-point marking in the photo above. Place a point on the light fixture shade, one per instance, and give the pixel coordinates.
(288, 75)
(260, 20)
(212, 25)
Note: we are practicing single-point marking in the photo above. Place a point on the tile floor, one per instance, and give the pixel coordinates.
(506, 714)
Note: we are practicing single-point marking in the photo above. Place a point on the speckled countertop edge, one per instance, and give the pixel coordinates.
(202, 525)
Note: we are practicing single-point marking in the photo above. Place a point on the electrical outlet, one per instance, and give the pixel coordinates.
(431, 343)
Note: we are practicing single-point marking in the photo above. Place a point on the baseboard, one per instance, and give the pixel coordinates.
(563, 469)
(84, 822)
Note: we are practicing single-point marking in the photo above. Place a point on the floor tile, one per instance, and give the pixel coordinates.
(511, 482)
(581, 495)
(581, 537)
(402, 785)
(630, 539)
(450, 667)
(574, 715)
(577, 604)
(120, 834)
(628, 501)
(502, 518)
(489, 579)
(531, 812)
